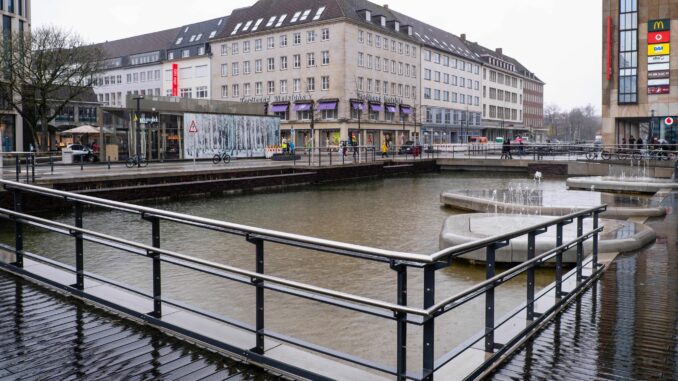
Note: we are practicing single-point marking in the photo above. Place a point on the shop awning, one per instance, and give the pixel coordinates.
(280, 108)
(391, 108)
(375, 107)
(406, 110)
(327, 106)
(357, 105)
(302, 107)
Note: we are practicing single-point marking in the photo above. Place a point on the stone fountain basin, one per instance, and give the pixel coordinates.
(552, 203)
(617, 236)
(616, 184)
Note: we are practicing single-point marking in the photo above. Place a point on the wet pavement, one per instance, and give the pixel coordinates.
(624, 328)
(45, 336)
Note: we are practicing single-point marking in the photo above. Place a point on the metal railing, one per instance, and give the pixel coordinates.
(401, 312)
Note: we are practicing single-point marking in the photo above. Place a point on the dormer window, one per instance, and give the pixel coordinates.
(214, 33)
(382, 21)
(179, 40)
(396, 26)
(409, 30)
(368, 16)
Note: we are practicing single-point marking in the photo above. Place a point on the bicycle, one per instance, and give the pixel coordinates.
(136, 161)
(226, 158)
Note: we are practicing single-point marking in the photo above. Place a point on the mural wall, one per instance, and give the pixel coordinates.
(238, 135)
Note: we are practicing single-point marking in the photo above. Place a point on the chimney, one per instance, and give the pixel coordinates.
(386, 6)
(500, 51)
(463, 36)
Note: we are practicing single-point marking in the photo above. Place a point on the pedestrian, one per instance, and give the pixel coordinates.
(291, 146)
(506, 150)
(284, 146)
(639, 143)
(384, 150)
(632, 142)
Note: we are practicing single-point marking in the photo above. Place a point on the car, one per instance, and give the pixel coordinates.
(407, 148)
(79, 151)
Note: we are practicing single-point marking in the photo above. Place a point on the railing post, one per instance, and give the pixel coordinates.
(157, 277)
(18, 231)
(310, 153)
(490, 254)
(320, 158)
(79, 250)
(33, 168)
(51, 164)
(531, 242)
(580, 247)
(330, 152)
(401, 349)
(559, 261)
(28, 168)
(259, 283)
(18, 167)
(429, 324)
(594, 262)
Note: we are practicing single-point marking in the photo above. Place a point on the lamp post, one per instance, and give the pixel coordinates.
(651, 123)
(138, 128)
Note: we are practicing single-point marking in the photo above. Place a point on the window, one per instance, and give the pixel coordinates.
(297, 39)
(305, 15)
(224, 70)
(427, 93)
(360, 83)
(170, 55)
(385, 43)
(271, 64)
(246, 69)
(185, 72)
(377, 86)
(361, 36)
(436, 76)
(369, 38)
(385, 87)
(283, 63)
(271, 87)
(325, 82)
(427, 55)
(283, 41)
(270, 42)
(201, 71)
(310, 36)
(296, 61)
(377, 63)
(310, 59)
(246, 47)
(436, 95)
(119, 77)
(186, 93)
(369, 61)
(325, 34)
(201, 50)
(280, 20)
(258, 66)
(257, 44)
(283, 86)
(377, 41)
(258, 88)
(400, 47)
(235, 68)
(247, 90)
(319, 13)
(328, 114)
(400, 69)
(369, 85)
(296, 85)
(361, 59)
(310, 84)
(628, 52)
(236, 91)
(326, 57)
(224, 91)
(201, 92)
(234, 48)
(129, 78)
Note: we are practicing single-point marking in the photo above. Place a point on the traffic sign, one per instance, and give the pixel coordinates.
(668, 121)
(193, 128)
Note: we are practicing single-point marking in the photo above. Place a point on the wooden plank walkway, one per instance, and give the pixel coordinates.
(46, 336)
(624, 328)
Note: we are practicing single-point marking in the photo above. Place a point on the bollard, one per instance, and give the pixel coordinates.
(329, 150)
(109, 163)
(82, 161)
(51, 164)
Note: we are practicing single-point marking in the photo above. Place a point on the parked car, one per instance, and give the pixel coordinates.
(407, 148)
(79, 151)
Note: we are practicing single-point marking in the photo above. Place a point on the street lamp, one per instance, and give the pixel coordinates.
(651, 124)
(138, 127)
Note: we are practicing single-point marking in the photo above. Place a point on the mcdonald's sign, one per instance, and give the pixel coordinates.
(658, 25)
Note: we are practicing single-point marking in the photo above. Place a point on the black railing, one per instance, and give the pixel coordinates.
(401, 312)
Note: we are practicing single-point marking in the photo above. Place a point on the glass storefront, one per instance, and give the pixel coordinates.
(7, 130)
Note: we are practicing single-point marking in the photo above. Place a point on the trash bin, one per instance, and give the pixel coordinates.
(67, 156)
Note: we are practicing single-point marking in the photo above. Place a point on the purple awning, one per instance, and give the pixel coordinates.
(279, 108)
(357, 105)
(327, 106)
(391, 109)
(406, 110)
(302, 107)
(375, 107)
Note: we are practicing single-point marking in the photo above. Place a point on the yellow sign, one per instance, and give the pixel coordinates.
(659, 49)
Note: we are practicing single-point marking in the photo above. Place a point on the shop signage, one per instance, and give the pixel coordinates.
(658, 49)
(175, 80)
(659, 37)
(655, 90)
(658, 59)
(658, 82)
(277, 98)
(658, 25)
(668, 121)
(658, 74)
(658, 67)
(148, 119)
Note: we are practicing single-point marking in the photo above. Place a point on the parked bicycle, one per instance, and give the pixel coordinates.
(136, 160)
(223, 157)
(657, 154)
(607, 155)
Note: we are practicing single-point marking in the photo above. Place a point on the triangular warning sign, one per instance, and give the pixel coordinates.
(193, 128)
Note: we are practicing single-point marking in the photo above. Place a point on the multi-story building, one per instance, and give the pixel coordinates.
(640, 98)
(349, 69)
(533, 105)
(16, 17)
(133, 66)
(450, 95)
(187, 70)
(502, 93)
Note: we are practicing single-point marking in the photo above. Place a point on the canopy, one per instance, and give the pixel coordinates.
(82, 130)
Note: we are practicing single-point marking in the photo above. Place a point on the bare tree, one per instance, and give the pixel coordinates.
(42, 72)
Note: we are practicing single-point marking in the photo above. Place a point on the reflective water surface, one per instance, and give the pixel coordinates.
(402, 213)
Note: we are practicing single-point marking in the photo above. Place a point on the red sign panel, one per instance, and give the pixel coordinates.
(668, 121)
(653, 90)
(175, 80)
(659, 37)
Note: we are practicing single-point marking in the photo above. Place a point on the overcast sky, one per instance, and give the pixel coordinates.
(559, 40)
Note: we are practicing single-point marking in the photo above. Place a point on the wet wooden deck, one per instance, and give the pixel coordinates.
(46, 336)
(623, 328)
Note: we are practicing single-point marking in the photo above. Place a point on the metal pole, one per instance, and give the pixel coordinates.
(594, 263)
(259, 347)
(18, 230)
(18, 167)
(429, 325)
(51, 164)
(559, 261)
(28, 171)
(580, 247)
(490, 252)
(138, 132)
(33, 167)
(79, 250)
(157, 277)
(401, 349)
(530, 275)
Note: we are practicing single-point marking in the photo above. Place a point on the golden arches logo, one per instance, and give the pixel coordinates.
(658, 25)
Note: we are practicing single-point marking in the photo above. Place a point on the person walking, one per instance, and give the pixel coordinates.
(384, 150)
(506, 150)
